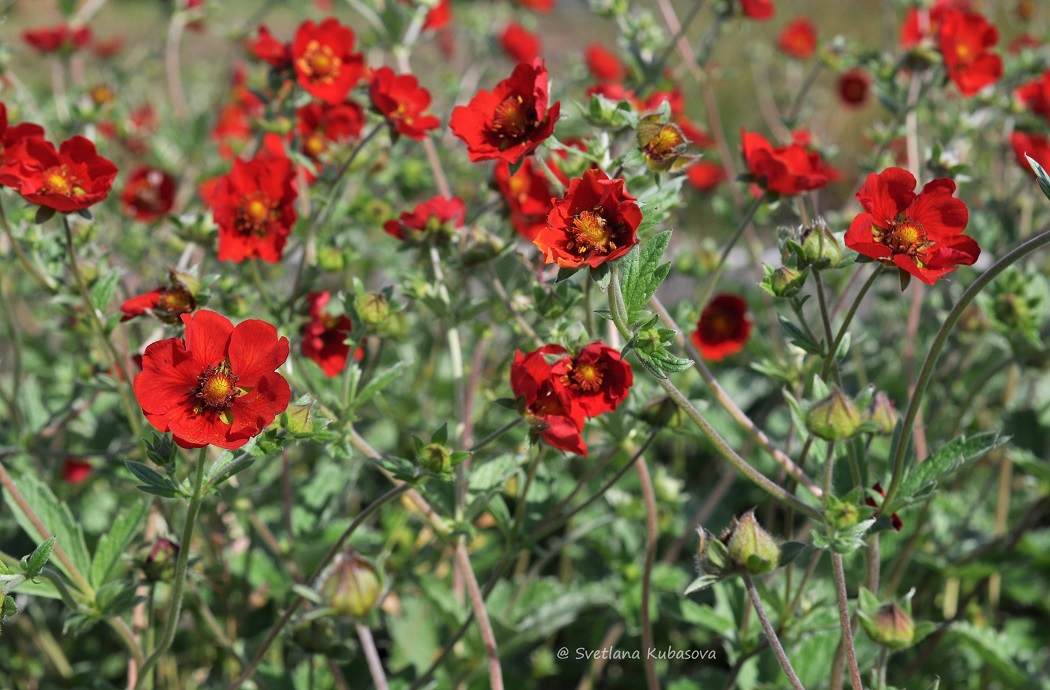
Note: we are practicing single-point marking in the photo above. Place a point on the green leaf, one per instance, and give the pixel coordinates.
(1040, 176)
(643, 273)
(701, 583)
(565, 274)
(57, 521)
(382, 379)
(950, 458)
(112, 544)
(153, 482)
(789, 551)
(36, 562)
(601, 275)
(799, 337)
(104, 288)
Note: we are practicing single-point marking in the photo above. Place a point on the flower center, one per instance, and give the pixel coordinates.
(314, 145)
(510, 119)
(547, 402)
(176, 301)
(320, 63)
(962, 51)
(905, 237)
(587, 377)
(591, 232)
(254, 214)
(58, 180)
(216, 389)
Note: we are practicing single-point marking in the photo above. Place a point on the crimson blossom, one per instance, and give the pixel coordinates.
(520, 44)
(320, 125)
(72, 178)
(798, 38)
(509, 122)
(596, 221)
(965, 39)
(325, 64)
(403, 102)
(166, 303)
(918, 233)
(61, 38)
(254, 207)
(12, 136)
(1035, 95)
(790, 169)
(218, 386)
(436, 218)
(723, 327)
(603, 64)
(324, 336)
(149, 194)
(528, 194)
(596, 380)
(546, 405)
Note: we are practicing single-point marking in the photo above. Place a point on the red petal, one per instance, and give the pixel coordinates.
(255, 350)
(207, 337)
(255, 410)
(940, 214)
(169, 373)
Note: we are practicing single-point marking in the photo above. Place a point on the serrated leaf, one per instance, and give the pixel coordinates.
(1040, 176)
(36, 562)
(112, 544)
(104, 288)
(799, 337)
(643, 273)
(382, 379)
(56, 519)
(948, 459)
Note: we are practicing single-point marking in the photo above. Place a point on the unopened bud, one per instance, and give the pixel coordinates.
(784, 281)
(316, 635)
(373, 308)
(159, 563)
(436, 458)
(751, 547)
(882, 414)
(834, 418)
(352, 586)
(842, 515)
(297, 419)
(820, 248)
(890, 626)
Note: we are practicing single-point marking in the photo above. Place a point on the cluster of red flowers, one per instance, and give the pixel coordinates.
(72, 177)
(1034, 96)
(436, 219)
(963, 37)
(57, 39)
(920, 234)
(557, 392)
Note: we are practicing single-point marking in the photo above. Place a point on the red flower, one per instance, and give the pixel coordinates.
(268, 49)
(234, 125)
(325, 65)
(149, 194)
(798, 38)
(723, 327)
(853, 88)
(218, 386)
(918, 233)
(895, 521)
(921, 24)
(11, 138)
(75, 471)
(596, 380)
(253, 205)
(520, 44)
(705, 175)
(788, 169)
(72, 178)
(437, 217)
(403, 102)
(107, 48)
(603, 63)
(528, 194)
(965, 38)
(757, 9)
(596, 221)
(320, 124)
(511, 121)
(166, 303)
(439, 16)
(1035, 95)
(53, 39)
(1034, 145)
(547, 406)
(324, 336)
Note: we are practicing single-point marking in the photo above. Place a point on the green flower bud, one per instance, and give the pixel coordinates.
(316, 635)
(784, 281)
(331, 259)
(373, 308)
(297, 419)
(10, 608)
(882, 414)
(436, 458)
(751, 547)
(820, 248)
(890, 626)
(842, 514)
(834, 418)
(352, 585)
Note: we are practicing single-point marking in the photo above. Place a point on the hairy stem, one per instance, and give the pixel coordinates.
(771, 634)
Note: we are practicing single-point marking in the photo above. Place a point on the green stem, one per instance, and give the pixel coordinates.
(771, 634)
(181, 566)
(651, 535)
(496, 434)
(114, 359)
(619, 314)
(844, 620)
(709, 286)
(900, 446)
(849, 318)
(22, 258)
